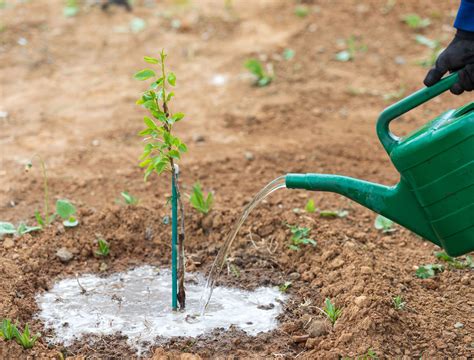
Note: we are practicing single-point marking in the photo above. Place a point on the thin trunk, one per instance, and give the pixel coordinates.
(181, 257)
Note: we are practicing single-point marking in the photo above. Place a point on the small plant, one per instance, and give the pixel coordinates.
(300, 236)
(7, 330)
(415, 21)
(310, 207)
(331, 311)
(163, 149)
(25, 339)
(398, 302)
(285, 286)
(128, 198)
(288, 54)
(453, 262)
(384, 224)
(201, 203)
(104, 248)
(429, 270)
(71, 8)
(7, 228)
(256, 68)
(334, 213)
(352, 48)
(66, 210)
(301, 11)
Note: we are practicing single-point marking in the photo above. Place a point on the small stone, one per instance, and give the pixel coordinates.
(311, 343)
(8, 243)
(318, 328)
(148, 233)
(361, 301)
(458, 325)
(294, 276)
(336, 264)
(64, 255)
(365, 270)
(103, 267)
(400, 60)
(198, 138)
(465, 280)
(95, 142)
(249, 156)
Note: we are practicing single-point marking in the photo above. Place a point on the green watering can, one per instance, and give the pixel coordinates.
(435, 195)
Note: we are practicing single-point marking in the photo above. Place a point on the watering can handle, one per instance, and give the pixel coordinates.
(388, 139)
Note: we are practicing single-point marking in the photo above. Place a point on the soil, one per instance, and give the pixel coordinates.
(69, 95)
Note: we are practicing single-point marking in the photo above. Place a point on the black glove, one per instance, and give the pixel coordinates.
(459, 55)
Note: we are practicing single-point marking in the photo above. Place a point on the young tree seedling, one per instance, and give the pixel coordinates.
(200, 202)
(300, 236)
(128, 198)
(398, 302)
(428, 271)
(104, 248)
(262, 78)
(384, 224)
(331, 311)
(163, 149)
(415, 21)
(25, 339)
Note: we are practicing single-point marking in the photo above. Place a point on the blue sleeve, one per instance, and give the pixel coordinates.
(465, 19)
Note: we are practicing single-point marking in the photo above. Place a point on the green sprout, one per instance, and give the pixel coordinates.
(163, 149)
(334, 213)
(7, 228)
(200, 202)
(398, 302)
(128, 198)
(428, 271)
(256, 68)
(25, 339)
(331, 311)
(66, 210)
(104, 248)
(352, 48)
(300, 236)
(285, 286)
(7, 330)
(301, 11)
(310, 206)
(384, 224)
(415, 21)
(453, 262)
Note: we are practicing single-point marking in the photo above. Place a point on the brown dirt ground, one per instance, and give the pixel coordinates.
(70, 98)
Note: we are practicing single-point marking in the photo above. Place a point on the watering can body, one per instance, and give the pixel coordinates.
(435, 195)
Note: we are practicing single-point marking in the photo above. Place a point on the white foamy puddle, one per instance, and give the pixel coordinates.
(137, 304)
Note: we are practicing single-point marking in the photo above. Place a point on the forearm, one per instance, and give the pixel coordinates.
(465, 18)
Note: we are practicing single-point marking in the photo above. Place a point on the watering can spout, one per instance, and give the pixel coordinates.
(396, 203)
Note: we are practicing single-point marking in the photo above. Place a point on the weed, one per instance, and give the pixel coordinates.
(384, 224)
(162, 149)
(453, 262)
(285, 286)
(352, 48)
(104, 248)
(334, 213)
(25, 339)
(310, 207)
(128, 198)
(331, 311)
(429, 270)
(398, 302)
(415, 21)
(66, 210)
(370, 354)
(7, 329)
(200, 202)
(71, 8)
(7, 228)
(301, 11)
(300, 236)
(288, 54)
(256, 68)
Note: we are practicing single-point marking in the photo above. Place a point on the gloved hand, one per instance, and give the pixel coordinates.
(459, 55)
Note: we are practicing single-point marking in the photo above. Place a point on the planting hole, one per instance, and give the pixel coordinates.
(137, 303)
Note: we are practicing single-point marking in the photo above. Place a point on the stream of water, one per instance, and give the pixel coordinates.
(278, 183)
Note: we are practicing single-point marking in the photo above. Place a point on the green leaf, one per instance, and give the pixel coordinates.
(151, 60)
(65, 209)
(171, 79)
(169, 96)
(182, 147)
(255, 67)
(161, 166)
(310, 207)
(177, 116)
(7, 228)
(174, 154)
(427, 271)
(144, 74)
(384, 224)
(150, 123)
(24, 229)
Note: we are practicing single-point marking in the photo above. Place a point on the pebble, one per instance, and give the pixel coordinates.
(294, 276)
(400, 60)
(8, 243)
(458, 325)
(249, 156)
(336, 264)
(95, 142)
(365, 270)
(317, 328)
(361, 301)
(64, 255)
